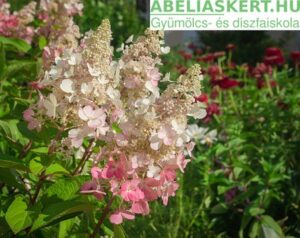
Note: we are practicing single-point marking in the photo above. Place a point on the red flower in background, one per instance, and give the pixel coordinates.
(185, 55)
(192, 46)
(282, 105)
(295, 56)
(261, 83)
(225, 83)
(230, 47)
(219, 54)
(198, 51)
(181, 69)
(214, 71)
(202, 98)
(214, 94)
(208, 58)
(260, 70)
(258, 73)
(212, 109)
(231, 65)
(274, 56)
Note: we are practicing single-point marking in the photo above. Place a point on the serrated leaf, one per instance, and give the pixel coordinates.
(40, 150)
(10, 130)
(17, 215)
(64, 189)
(12, 163)
(64, 228)
(36, 166)
(10, 178)
(19, 65)
(59, 211)
(56, 169)
(119, 232)
(15, 44)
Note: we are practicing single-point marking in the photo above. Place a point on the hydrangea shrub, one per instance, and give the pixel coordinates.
(137, 134)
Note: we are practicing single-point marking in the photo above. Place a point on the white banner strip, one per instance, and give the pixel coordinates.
(225, 15)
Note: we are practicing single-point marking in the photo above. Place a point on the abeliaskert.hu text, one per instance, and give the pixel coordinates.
(222, 6)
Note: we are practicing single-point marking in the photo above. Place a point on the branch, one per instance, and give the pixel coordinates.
(43, 176)
(25, 150)
(102, 218)
(38, 187)
(85, 157)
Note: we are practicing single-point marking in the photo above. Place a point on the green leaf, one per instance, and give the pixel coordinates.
(268, 232)
(56, 169)
(4, 228)
(36, 166)
(219, 209)
(46, 134)
(40, 150)
(64, 189)
(269, 223)
(235, 142)
(42, 42)
(107, 231)
(2, 61)
(119, 232)
(20, 65)
(15, 44)
(220, 149)
(116, 128)
(245, 221)
(64, 228)
(10, 178)
(17, 216)
(10, 130)
(254, 229)
(254, 211)
(12, 163)
(58, 212)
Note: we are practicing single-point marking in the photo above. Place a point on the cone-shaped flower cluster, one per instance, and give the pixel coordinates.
(55, 24)
(58, 26)
(16, 24)
(118, 104)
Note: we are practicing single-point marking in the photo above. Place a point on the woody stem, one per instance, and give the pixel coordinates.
(102, 218)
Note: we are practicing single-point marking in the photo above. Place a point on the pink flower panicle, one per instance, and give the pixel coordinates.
(119, 102)
(17, 24)
(56, 25)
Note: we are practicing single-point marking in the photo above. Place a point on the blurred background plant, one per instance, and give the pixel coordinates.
(123, 15)
(251, 45)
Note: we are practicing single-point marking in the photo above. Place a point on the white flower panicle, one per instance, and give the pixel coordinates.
(119, 103)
